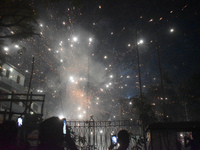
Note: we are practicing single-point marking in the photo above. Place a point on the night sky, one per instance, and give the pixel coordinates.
(86, 59)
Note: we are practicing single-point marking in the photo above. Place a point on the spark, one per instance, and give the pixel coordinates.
(16, 46)
(75, 39)
(150, 20)
(140, 42)
(6, 48)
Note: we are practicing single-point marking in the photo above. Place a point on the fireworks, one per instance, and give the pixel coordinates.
(91, 63)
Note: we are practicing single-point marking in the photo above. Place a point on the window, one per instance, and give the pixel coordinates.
(7, 73)
(18, 79)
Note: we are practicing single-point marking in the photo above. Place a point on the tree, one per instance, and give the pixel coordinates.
(146, 112)
(17, 20)
(190, 96)
(172, 100)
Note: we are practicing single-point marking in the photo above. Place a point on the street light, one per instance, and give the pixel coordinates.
(138, 59)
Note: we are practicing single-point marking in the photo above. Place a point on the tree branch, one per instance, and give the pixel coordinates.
(19, 35)
(14, 24)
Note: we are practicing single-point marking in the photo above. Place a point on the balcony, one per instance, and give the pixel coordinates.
(10, 85)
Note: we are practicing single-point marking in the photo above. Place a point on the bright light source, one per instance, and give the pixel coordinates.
(71, 79)
(90, 39)
(101, 131)
(75, 39)
(6, 48)
(80, 116)
(141, 42)
(16, 46)
(61, 117)
(111, 76)
(172, 30)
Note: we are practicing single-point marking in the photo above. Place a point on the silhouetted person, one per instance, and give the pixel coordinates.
(123, 140)
(51, 135)
(193, 141)
(8, 135)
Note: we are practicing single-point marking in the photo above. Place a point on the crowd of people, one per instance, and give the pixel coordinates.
(54, 135)
(51, 137)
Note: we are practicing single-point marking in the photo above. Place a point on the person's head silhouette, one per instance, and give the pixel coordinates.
(52, 137)
(123, 139)
(50, 133)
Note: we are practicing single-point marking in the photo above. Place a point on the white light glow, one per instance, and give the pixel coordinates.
(61, 117)
(16, 46)
(6, 48)
(171, 30)
(140, 42)
(75, 39)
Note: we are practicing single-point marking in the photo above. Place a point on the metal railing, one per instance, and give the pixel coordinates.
(97, 133)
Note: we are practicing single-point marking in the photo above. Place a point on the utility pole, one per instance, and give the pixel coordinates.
(140, 87)
(161, 80)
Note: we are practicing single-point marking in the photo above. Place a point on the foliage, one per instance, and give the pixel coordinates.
(77, 138)
(190, 95)
(146, 113)
(190, 89)
(139, 141)
(17, 20)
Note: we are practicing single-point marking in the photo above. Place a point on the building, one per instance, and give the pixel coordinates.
(11, 80)
(13, 94)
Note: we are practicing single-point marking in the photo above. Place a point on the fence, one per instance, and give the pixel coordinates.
(97, 133)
